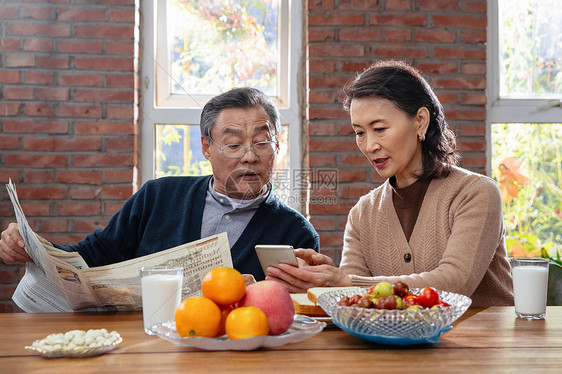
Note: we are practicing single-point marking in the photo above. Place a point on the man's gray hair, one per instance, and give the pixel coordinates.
(242, 98)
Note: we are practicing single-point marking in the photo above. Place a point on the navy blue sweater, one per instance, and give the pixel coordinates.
(168, 212)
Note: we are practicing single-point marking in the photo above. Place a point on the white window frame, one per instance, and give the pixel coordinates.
(510, 110)
(176, 110)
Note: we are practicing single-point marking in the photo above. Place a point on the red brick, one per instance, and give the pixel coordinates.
(51, 30)
(469, 161)
(116, 176)
(119, 112)
(339, 208)
(321, 97)
(478, 130)
(437, 4)
(6, 291)
(75, 143)
(119, 48)
(42, 192)
(51, 62)
(8, 12)
(81, 79)
(353, 159)
(9, 109)
(53, 225)
(99, 127)
(9, 142)
(447, 97)
(79, 208)
(52, 93)
(331, 144)
(321, 4)
(466, 114)
(36, 208)
(466, 145)
(35, 126)
(399, 51)
(79, 177)
(473, 99)
(34, 176)
(105, 31)
(84, 15)
(326, 113)
(359, 4)
(112, 208)
(359, 34)
(80, 46)
(398, 19)
(474, 6)
(458, 20)
(353, 66)
(39, 110)
(318, 128)
(473, 68)
(127, 15)
(18, 93)
(327, 81)
(320, 35)
(127, 80)
(84, 193)
(10, 77)
(321, 66)
(102, 159)
(333, 19)
(120, 144)
(473, 35)
(323, 223)
(20, 60)
(7, 276)
(80, 111)
(36, 161)
(33, 143)
(104, 63)
(397, 35)
(398, 4)
(436, 35)
(355, 191)
(37, 13)
(38, 45)
(9, 44)
(35, 77)
(321, 160)
(335, 50)
(116, 192)
(351, 176)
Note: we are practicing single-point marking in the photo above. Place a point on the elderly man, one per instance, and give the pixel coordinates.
(239, 136)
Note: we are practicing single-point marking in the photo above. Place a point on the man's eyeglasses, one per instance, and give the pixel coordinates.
(265, 148)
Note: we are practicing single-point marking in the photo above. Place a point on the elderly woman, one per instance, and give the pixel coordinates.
(431, 223)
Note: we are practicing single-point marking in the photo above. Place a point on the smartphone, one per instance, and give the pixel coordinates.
(274, 255)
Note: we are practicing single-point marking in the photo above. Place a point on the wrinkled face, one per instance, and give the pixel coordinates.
(388, 137)
(246, 177)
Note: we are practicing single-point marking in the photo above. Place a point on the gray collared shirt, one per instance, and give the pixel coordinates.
(225, 214)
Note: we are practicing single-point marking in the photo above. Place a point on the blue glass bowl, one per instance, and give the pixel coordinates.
(397, 327)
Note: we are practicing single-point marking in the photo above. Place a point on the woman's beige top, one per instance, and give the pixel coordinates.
(457, 243)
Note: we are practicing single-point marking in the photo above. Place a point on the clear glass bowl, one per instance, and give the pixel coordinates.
(410, 324)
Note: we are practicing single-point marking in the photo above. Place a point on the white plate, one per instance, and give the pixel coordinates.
(303, 327)
(76, 352)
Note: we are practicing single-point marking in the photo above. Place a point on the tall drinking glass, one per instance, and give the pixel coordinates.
(530, 286)
(161, 294)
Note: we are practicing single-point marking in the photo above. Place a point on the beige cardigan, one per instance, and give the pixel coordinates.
(457, 244)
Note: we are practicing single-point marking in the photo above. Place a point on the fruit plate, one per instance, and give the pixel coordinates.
(303, 327)
(397, 327)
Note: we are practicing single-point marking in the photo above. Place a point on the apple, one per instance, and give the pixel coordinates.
(274, 299)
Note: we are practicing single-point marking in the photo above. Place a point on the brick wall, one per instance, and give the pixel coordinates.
(68, 116)
(68, 102)
(445, 39)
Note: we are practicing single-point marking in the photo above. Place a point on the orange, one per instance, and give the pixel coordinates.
(245, 322)
(198, 316)
(225, 310)
(224, 285)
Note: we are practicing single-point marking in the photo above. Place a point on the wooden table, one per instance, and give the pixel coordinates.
(482, 340)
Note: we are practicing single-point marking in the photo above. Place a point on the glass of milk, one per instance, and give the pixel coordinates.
(530, 286)
(161, 294)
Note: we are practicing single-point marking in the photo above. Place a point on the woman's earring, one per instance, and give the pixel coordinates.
(421, 137)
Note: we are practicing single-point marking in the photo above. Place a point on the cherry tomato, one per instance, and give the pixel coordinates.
(411, 299)
(442, 303)
(428, 297)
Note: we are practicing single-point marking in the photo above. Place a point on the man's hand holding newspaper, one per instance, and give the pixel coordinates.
(60, 281)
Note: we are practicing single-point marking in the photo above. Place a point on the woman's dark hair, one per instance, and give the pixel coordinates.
(242, 98)
(408, 90)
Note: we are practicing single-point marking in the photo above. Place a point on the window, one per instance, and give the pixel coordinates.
(524, 114)
(196, 49)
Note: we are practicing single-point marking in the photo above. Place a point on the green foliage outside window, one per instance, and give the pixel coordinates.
(527, 163)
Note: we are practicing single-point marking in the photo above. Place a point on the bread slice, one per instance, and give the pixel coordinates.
(314, 292)
(304, 306)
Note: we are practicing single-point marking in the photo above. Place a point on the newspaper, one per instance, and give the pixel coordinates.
(60, 281)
